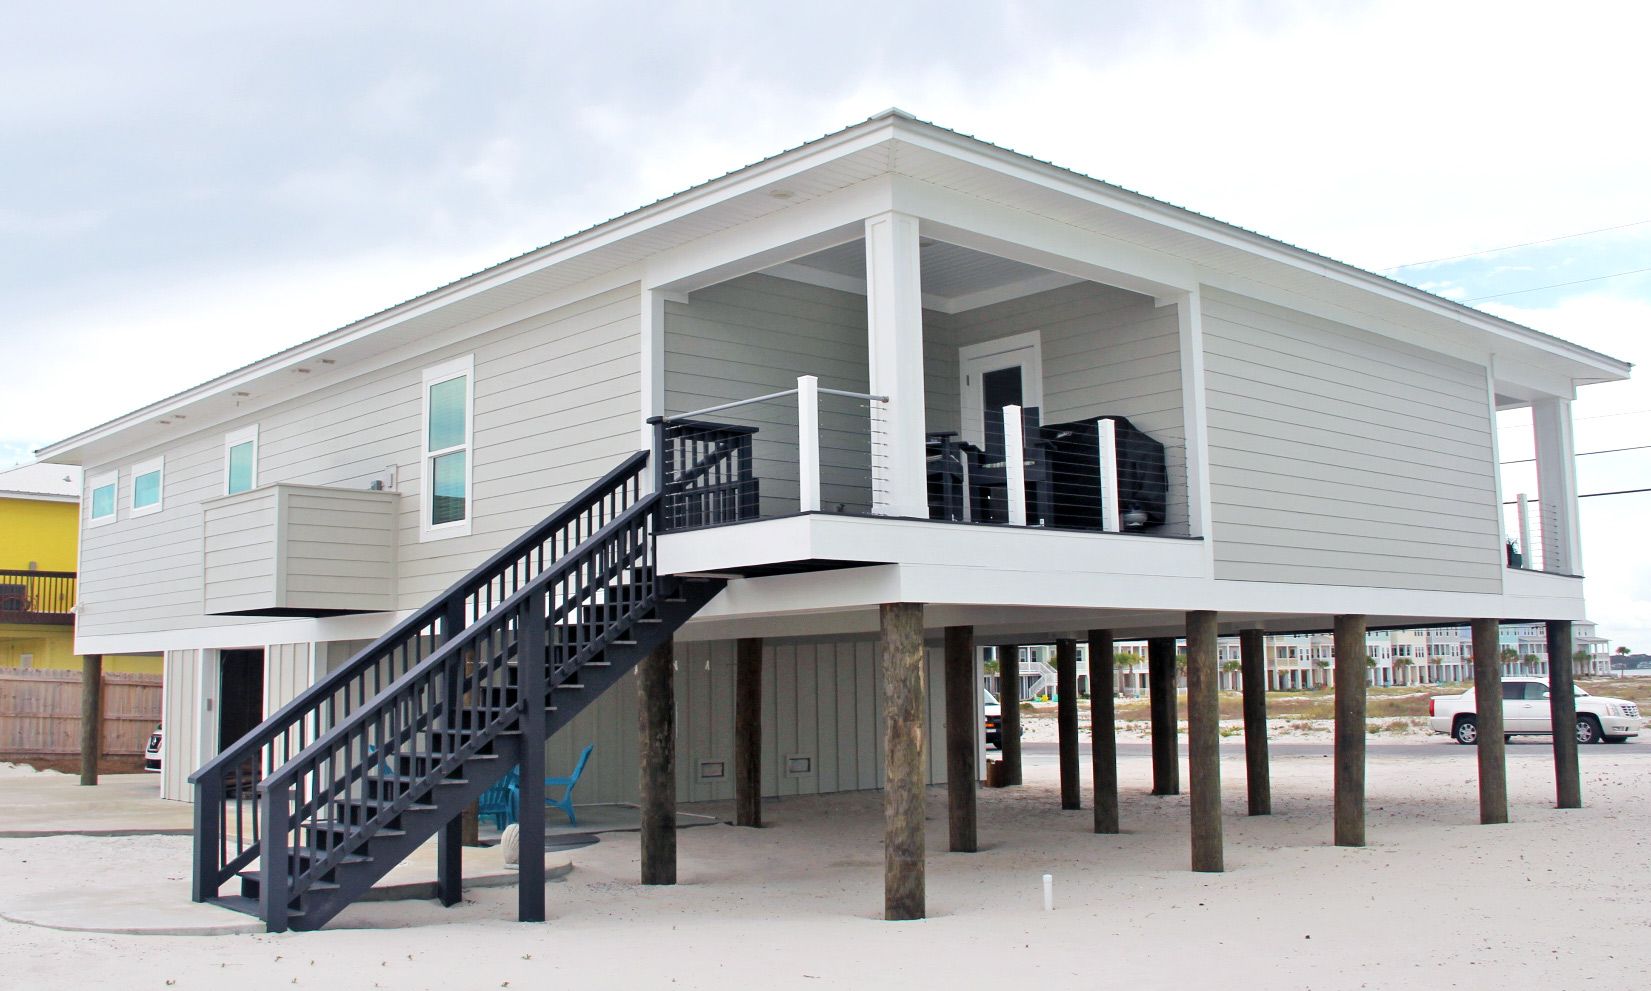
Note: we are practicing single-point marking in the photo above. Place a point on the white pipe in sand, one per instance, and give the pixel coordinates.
(1049, 892)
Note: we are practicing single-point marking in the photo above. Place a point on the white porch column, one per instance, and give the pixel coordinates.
(1556, 485)
(894, 306)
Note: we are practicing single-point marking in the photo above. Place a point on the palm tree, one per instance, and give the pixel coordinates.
(1231, 668)
(1401, 667)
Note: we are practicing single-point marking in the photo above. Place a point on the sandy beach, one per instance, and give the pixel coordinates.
(1551, 900)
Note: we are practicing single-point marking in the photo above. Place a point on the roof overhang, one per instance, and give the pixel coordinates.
(616, 252)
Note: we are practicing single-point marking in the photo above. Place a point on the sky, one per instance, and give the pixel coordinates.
(188, 187)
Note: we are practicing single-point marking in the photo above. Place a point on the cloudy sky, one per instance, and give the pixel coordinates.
(188, 187)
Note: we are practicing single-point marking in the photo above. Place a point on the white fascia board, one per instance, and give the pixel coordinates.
(95, 441)
(1176, 218)
(37, 496)
(980, 224)
(1052, 602)
(241, 634)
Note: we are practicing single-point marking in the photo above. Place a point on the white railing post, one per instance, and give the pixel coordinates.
(1525, 559)
(808, 443)
(1106, 436)
(1014, 464)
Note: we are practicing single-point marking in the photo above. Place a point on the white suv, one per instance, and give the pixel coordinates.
(1525, 712)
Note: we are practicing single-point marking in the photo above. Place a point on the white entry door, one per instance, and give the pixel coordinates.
(995, 374)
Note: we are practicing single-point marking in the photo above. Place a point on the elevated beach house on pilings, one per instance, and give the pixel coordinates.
(756, 468)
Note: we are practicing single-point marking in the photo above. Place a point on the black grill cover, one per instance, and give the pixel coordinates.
(1072, 455)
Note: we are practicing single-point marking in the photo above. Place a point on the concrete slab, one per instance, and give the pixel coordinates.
(46, 803)
(139, 885)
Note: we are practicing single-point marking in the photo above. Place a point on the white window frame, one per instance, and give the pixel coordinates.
(435, 375)
(234, 439)
(157, 464)
(95, 482)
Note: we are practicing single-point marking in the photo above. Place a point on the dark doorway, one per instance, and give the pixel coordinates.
(240, 694)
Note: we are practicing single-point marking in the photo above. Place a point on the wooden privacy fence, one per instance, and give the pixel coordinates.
(40, 712)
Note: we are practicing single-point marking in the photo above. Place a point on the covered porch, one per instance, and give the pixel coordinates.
(903, 376)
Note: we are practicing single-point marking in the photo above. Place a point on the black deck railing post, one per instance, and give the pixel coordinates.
(276, 861)
(530, 660)
(450, 846)
(209, 803)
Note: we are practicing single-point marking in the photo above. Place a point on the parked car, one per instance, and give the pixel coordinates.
(152, 752)
(994, 720)
(1525, 712)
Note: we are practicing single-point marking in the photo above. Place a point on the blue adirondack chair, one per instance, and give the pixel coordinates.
(565, 803)
(503, 800)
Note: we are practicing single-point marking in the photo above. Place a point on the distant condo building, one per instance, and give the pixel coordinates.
(1304, 661)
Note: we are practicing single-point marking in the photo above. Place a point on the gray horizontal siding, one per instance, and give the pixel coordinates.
(556, 404)
(756, 335)
(1341, 457)
(1106, 352)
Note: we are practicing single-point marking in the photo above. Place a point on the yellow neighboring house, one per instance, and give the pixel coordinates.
(39, 549)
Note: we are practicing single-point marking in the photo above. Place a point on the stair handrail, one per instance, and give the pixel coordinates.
(420, 633)
(283, 775)
(460, 671)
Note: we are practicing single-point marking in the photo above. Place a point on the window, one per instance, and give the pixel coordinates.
(147, 479)
(448, 406)
(102, 498)
(241, 460)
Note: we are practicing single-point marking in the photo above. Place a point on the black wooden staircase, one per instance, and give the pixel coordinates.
(318, 803)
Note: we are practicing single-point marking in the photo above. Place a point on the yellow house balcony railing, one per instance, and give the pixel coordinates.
(46, 597)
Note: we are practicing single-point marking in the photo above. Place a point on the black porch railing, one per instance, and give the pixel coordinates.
(46, 597)
(706, 476)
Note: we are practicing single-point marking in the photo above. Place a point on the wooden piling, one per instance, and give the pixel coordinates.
(1351, 672)
(962, 726)
(656, 709)
(91, 716)
(1204, 741)
(904, 698)
(1166, 761)
(1562, 710)
(1252, 654)
(1008, 734)
(1066, 719)
(748, 732)
(1493, 750)
(1103, 731)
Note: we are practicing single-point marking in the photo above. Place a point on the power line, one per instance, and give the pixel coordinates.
(1585, 495)
(1584, 454)
(1556, 285)
(1510, 247)
(1596, 495)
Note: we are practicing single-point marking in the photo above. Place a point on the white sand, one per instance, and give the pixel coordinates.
(1553, 900)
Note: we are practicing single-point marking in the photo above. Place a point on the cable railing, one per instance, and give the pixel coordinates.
(803, 450)
(813, 449)
(1093, 474)
(1527, 526)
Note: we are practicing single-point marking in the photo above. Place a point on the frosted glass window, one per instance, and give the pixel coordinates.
(103, 501)
(146, 489)
(447, 413)
(240, 467)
